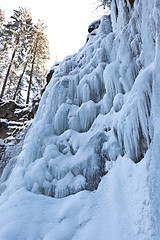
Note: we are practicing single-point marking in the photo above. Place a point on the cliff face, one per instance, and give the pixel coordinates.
(15, 119)
(94, 142)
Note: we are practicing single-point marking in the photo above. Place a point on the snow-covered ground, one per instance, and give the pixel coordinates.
(89, 167)
(119, 209)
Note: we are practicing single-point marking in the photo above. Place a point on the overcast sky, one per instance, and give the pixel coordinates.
(67, 21)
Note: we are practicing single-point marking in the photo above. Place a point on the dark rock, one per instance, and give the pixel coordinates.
(132, 2)
(94, 25)
(49, 76)
(7, 109)
(13, 127)
(3, 129)
(14, 122)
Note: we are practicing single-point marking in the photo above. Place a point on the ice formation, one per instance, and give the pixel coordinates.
(94, 143)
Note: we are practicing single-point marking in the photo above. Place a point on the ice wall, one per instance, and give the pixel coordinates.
(97, 128)
(96, 107)
(101, 103)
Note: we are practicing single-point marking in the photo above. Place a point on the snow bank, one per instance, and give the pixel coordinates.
(120, 208)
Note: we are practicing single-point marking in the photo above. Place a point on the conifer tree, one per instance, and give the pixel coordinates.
(2, 18)
(3, 47)
(21, 76)
(39, 56)
(17, 33)
(25, 49)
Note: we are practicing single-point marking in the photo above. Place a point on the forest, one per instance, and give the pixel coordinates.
(24, 52)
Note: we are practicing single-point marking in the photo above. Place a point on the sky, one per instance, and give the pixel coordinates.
(67, 22)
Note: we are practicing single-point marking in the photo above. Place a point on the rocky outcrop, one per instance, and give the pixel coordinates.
(14, 122)
(12, 111)
(94, 25)
(49, 76)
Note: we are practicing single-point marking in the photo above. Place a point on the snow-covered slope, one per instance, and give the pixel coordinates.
(89, 167)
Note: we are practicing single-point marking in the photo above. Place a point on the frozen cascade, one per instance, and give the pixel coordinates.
(98, 79)
(94, 143)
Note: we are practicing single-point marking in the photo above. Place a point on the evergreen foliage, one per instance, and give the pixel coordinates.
(39, 56)
(3, 47)
(2, 18)
(23, 66)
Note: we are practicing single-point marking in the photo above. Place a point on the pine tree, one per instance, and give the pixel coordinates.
(3, 49)
(2, 18)
(21, 77)
(40, 54)
(27, 50)
(18, 33)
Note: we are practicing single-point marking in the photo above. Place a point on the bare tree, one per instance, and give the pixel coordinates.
(104, 3)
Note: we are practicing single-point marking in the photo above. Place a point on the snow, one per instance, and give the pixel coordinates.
(89, 166)
(122, 210)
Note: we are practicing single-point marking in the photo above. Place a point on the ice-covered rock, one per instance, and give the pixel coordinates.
(14, 122)
(102, 79)
(97, 129)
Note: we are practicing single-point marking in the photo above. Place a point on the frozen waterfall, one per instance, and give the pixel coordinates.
(89, 167)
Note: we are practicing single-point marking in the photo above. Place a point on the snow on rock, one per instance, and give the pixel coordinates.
(89, 166)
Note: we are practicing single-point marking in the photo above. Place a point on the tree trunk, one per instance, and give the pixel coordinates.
(7, 74)
(20, 79)
(30, 80)
(9, 68)
(32, 68)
